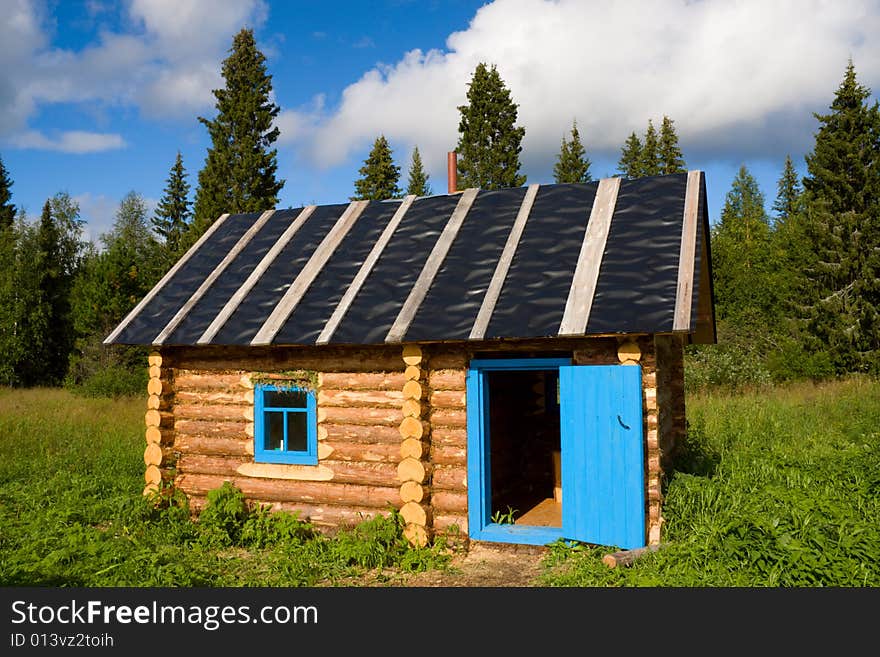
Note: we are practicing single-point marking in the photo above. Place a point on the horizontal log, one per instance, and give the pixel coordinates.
(414, 390)
(362, 380)
(627, 557)
(447, 379)
(154, 359)
(450, 477)
(411, 491)
(161, 419)
(378, 398)
(450, 360)
(362, 415)
(221, 412)
(274, 359)
(448, 455)
(412, 354)
(215, 446)
(410, 469)
(445, 501)
(210, 464)
(153, 475)
(155, 372)
(367, 452)
(161, 436)
(449, 417)
(449, 436)
(448, 399)
(196, 381)
(413, 408)
(415, 513)
(417, 535)
(412, 373)
(365, 433)
(153, 454)
(412, 448)
(320, 515)
(280, 490)
(158, 386)
(411, 427)
(160, 402)
(454, 526)
(208, 428)
(235, 396)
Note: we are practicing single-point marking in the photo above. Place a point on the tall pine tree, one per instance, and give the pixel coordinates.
(489, 141)
(649, 162)
(842, 228)
(239, 172)
(788, 192)
(379, 174)
(630, 160)
(171, 219)
(418, 179)
(572, 164)
(7, 210)
(669, 156)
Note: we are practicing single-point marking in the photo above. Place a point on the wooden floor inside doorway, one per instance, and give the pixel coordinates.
(545, 514)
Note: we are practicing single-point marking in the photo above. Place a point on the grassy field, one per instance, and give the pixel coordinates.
(779, 487)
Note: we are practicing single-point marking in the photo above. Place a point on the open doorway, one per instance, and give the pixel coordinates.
(524, 447)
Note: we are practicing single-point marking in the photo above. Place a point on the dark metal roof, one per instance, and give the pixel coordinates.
(612, 256)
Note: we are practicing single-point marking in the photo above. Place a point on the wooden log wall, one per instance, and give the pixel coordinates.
(414, 469)
(159, 456)
(359, 397)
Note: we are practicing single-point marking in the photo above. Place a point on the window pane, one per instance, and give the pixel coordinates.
(297, 436)
(284, 398)
(274, 430)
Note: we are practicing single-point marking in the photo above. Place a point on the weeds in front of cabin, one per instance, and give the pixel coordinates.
(506, 517)
(72, 513)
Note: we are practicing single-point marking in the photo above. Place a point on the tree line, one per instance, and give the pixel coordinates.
(796, 293)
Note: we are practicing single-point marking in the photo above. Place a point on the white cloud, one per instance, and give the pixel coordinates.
(72, 141)
(165, 62)
(741, 78)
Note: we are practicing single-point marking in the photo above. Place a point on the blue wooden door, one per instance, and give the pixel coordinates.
(603, 477)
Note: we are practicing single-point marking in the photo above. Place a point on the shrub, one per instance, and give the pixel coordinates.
(726, 366)
(115, 381)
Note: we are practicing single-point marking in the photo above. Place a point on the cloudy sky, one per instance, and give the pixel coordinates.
(97, 97)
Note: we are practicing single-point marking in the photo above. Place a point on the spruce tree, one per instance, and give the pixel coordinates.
(239, 172)
(7, 210)
(630, 160)
(418, 178)
(379, 174)
(489, 141)
(171, 218)
(572, 164)
(842, 228)
(649, 162)
(669, 156)
(788, 191)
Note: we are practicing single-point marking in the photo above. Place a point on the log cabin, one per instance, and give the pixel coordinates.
(498, 365)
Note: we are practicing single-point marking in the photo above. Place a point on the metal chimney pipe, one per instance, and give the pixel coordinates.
(452, 171)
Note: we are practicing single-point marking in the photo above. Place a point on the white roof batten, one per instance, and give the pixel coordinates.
(309, 273)
(167, 277)
(358, 281)
(494, 290)
(243, 241)
(586, 274)
(685, 287)
(240, 294)
(432, 266)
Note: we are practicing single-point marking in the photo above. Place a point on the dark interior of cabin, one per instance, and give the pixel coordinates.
(524, 446)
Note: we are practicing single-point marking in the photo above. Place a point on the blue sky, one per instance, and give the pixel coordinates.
(97, 97)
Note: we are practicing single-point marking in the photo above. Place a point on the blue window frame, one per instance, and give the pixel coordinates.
(285, 425)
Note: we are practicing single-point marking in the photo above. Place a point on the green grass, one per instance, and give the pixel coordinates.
(72, 514)
(778, 487)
